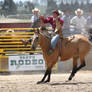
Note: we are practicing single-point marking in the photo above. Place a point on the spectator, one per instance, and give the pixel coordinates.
(11, 36)
(89, 24)
(35, 15)
(34, 18)
(10, 31)
(66, 25)
(89, 20)
(79, 22)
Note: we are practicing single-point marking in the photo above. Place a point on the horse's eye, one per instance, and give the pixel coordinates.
(37, 38)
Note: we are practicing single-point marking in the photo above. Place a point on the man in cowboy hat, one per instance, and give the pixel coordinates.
(52, 20)
(78, 21)
(35, 16)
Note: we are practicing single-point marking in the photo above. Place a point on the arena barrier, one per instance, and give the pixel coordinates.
(4, 29)
(10, 44)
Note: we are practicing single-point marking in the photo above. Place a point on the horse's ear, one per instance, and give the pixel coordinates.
(37, 31)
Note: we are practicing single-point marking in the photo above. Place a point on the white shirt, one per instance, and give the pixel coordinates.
(79, 23)
(34, 18)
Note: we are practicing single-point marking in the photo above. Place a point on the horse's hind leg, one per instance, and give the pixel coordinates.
(74, 68)
(47, 73)
(82, 64)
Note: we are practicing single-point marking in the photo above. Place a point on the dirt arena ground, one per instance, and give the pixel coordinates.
(82, 82)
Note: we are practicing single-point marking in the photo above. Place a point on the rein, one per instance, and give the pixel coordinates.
(45, 34)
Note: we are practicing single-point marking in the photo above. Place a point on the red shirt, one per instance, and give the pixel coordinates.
(52, 21)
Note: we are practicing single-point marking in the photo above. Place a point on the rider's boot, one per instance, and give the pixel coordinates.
(50, 51)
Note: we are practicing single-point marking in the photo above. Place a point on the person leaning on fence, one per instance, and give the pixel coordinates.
(78, 21)
(55, 36)
(66, 25)
(89, 24)
(89, 19)
(34, 18)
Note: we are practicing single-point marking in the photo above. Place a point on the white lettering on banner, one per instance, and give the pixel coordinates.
(26, 62)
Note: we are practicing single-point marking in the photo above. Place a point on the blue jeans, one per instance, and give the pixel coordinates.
(54, 41)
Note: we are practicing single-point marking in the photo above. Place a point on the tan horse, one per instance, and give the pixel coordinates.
(76, 47)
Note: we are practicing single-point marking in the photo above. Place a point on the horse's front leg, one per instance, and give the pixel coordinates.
(47, 73)
(49, 76)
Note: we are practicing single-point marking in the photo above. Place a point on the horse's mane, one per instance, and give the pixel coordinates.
(45, 34)
(43, 30)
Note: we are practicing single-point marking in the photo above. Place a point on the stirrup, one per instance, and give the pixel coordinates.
(50, 51)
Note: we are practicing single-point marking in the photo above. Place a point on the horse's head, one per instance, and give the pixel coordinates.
(35, 40)
(41, 30)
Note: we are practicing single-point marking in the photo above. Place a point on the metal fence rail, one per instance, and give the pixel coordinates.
(11, 42)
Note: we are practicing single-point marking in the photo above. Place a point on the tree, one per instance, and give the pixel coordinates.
(9, 7)
(20, 4)
(29, 6)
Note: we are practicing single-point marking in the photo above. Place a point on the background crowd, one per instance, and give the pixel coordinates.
(77, 24)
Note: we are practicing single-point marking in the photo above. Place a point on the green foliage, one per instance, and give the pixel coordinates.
(29, 6)
(9, 7)
(51, 6)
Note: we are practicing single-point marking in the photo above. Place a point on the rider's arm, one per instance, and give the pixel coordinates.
(58, 29)
(46, 20)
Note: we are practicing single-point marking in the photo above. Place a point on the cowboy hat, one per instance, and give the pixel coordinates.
(79, 10)
(56, 11)
(60, 12)
(10, 31)
(35, 9)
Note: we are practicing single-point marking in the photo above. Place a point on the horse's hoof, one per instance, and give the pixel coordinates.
(70, 78)
(46, 81)
(39, 82)
(67, 80)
